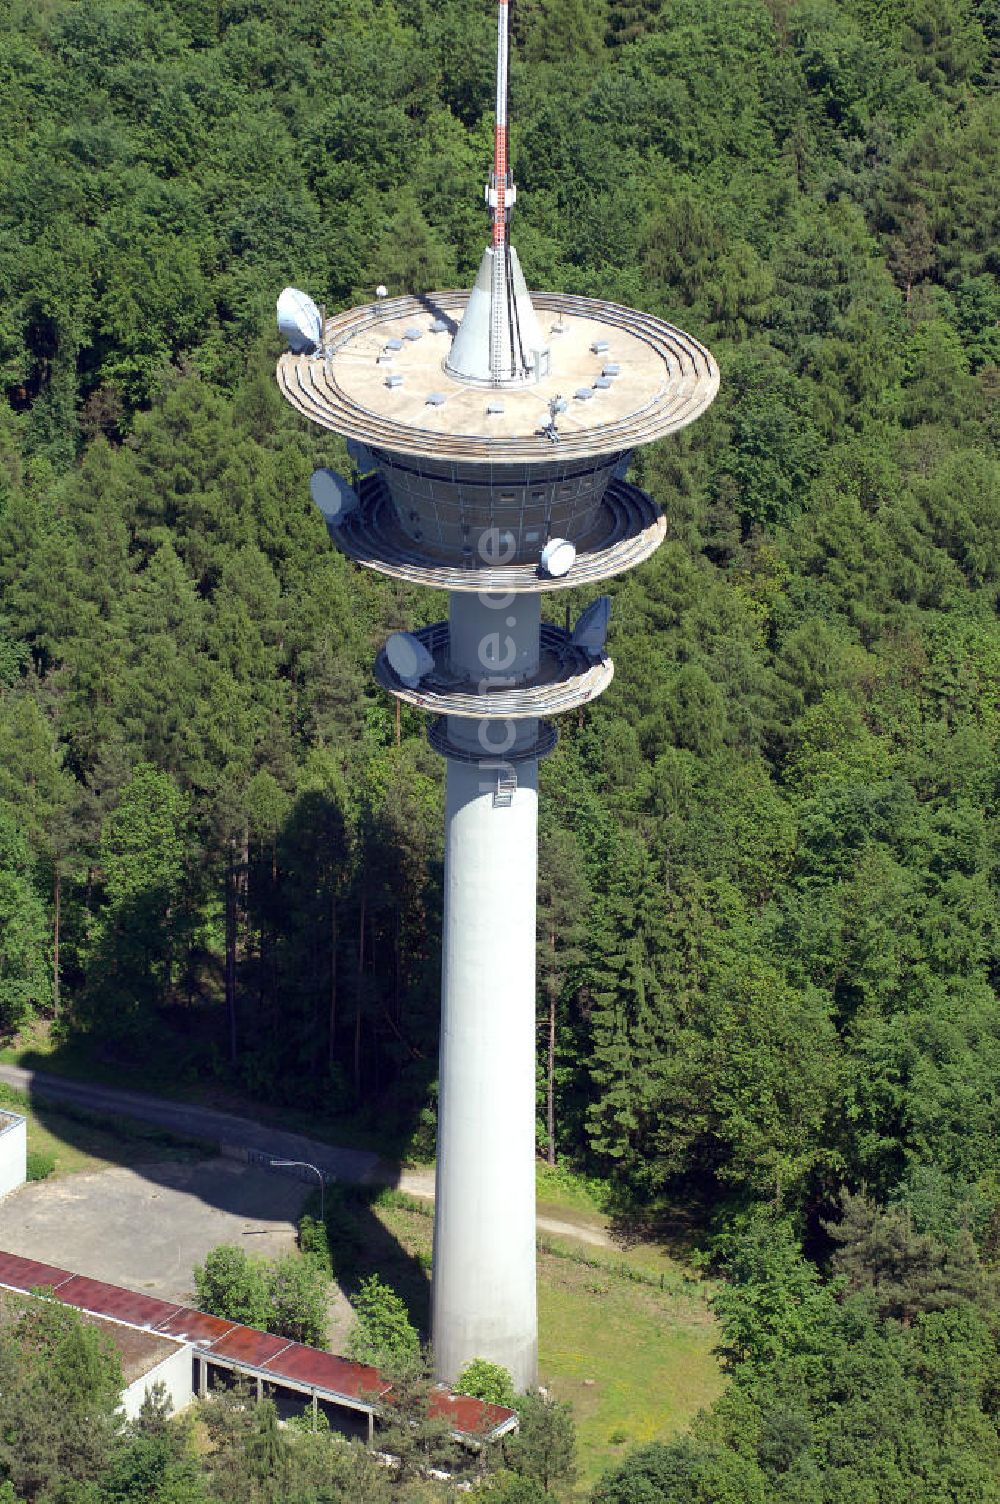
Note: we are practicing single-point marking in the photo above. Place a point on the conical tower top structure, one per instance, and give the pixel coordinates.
(500, 340)
(491, 432)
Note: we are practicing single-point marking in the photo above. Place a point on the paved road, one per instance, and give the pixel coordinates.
(353, 1166)
(233, 1133)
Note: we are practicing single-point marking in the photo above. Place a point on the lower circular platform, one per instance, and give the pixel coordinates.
(567, 676)
(543, 746)
(628, 529)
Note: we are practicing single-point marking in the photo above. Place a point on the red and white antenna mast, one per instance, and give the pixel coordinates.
(501, 192)
(500, 195)
(499, 341)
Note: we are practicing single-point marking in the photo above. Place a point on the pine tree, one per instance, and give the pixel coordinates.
(564, 899)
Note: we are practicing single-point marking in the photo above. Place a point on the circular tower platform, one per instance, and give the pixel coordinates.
(627, 528)
(533, 460)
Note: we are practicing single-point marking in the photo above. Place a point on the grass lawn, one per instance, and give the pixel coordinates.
(635, 1360)
(78, 1142)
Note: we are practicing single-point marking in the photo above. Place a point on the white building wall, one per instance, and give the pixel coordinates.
(174, 1373)
(13, 1155)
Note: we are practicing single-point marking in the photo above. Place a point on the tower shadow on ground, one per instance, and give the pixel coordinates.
(174, 1170)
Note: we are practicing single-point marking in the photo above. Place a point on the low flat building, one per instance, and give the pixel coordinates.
(147, 1359)
(190, 1351)
(13, 1152)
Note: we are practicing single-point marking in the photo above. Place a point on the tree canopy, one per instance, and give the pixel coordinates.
(777, 830)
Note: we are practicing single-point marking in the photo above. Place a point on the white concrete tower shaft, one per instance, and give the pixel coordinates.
(483, 1300)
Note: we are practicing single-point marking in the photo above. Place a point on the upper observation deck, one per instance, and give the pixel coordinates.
(611, 378)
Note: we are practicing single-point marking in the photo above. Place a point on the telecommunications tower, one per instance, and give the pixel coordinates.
(490, 432)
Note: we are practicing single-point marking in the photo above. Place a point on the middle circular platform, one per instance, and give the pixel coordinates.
(629, 527)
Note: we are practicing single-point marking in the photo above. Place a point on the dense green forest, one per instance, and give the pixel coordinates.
(768, 920)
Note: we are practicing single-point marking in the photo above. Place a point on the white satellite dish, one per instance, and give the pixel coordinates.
(335, 497)
(299, 321)
(591, 630)
(361, 457)
(558, 557)
(408, 658)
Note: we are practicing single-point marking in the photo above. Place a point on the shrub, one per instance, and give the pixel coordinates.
(314, 1242)
(298, 1289)
(287, 1297)
(233, 1286)
(40, 1165)
(487, 1381)
(383, 1333)
(336, 1244)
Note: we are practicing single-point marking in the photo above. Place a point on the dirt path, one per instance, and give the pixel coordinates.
(421, 1183)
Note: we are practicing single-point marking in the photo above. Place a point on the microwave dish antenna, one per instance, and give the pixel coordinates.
(300, 321)
(335, 496)
(591, 630)
(408, 658)
(558, 557)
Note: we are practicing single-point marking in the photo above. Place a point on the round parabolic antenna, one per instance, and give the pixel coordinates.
(558, 557)
(408, 658)
(591, 630)
(335, 496)
(299, 321)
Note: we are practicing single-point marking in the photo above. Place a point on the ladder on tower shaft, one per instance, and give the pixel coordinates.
(505, 790)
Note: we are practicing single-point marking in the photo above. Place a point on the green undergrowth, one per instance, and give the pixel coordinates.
(565, 1190)
(625, 1334)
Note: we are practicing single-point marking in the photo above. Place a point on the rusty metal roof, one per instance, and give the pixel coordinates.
(242, 1346)
(471, 1417)
(27, 1274)
(246, 1345)
(111, 1300)
(196, 1327)
(308, 1365)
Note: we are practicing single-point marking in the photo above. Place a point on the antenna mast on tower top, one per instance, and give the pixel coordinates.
(500, 195)
(499, 342)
